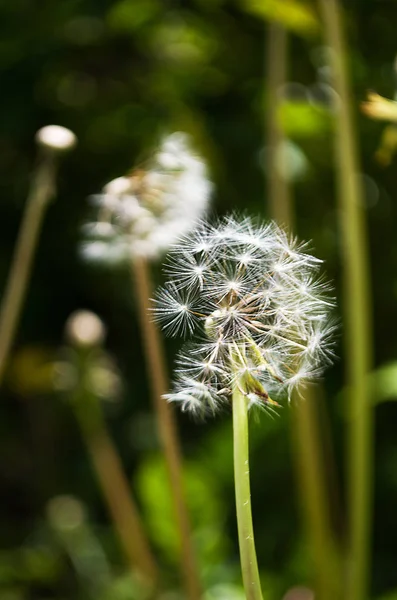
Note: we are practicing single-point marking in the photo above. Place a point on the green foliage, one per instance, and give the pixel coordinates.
(296, 15)
(203, 498)
(299, 119)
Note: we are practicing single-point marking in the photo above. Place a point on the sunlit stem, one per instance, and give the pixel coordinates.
(308, 452)
(115, 488)
(276, 72)
(166, 424)
(357, 306)
(41, 192)
(249, 563)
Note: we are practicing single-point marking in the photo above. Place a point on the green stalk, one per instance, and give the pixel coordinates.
(42, 189)
(249, 563)
(114, 484)
(167, 425)
(308, 453)
(357, 306)
(278, 192)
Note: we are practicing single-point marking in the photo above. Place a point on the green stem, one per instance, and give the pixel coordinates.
(115, 487)
(41, 191)
(357, 308)
(308, 451)
(278, 191)
(249, 564)
(167, 426)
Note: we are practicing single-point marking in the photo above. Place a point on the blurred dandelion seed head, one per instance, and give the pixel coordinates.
(260, 308)
(56, 138)
(143, 213)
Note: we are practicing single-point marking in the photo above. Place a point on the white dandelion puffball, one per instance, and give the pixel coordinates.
(55, 137)
(258, 307)
(144, 213)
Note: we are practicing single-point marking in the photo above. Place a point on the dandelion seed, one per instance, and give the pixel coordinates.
(260, 311)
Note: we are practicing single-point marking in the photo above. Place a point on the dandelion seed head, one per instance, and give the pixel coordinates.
(152, 207)
(257, 308)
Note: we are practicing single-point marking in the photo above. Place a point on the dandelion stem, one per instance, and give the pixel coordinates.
(115, 488)
(166, 425)
(357, 312)
(308, 452)
(42, 189)
(276, 70)
(309, 459)
(249, 563)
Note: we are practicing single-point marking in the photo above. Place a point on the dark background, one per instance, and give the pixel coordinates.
(118, 74)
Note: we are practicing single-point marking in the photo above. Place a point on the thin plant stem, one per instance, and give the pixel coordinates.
(249, 563)
(357, 307)
(41, 191)
(278, 192)
(166, 424)
(308, 452)
(309, 460)
(116, 491)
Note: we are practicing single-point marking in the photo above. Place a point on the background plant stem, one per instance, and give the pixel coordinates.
(41, 191)
(166, 424)
(249, 564)
(116, 489)
(358, 326)
(278, 192)
(308, 452)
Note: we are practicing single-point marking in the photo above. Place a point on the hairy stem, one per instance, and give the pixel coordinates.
(249, 563)
(42, 189)
(308, 452)
(116, 490)
(357, 306)
(166, 425)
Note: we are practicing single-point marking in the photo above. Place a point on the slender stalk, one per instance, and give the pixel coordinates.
(249, 563)
(308, 452)
(116, 491)
(309, 457)
(42, 189)
(278, 191)
(357, 306)
(166, 424)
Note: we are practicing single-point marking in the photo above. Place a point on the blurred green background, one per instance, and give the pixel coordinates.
(118, 74)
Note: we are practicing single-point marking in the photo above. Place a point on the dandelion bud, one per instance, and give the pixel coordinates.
(259, 306)
(56, 138)
(85, 329)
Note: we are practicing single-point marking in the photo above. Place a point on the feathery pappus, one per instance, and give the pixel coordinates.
(258, 307)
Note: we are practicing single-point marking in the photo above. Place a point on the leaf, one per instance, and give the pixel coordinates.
(206, 510)
(292, 14)
(298, 118)
(379, 108)
(131, 16)
(383, 383)
(383, 388)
